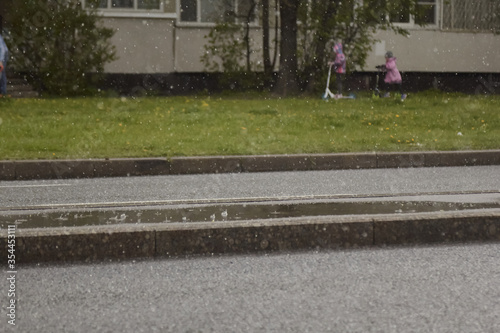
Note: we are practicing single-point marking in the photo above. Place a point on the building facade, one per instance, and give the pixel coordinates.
(167, 36)
(164, 36)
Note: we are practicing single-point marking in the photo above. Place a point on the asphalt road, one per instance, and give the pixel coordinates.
(423, 289)
(426, 289)
(250, 185)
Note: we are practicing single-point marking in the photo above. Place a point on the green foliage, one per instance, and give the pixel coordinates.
(353, 23)
(320, 23)
(229, 49)
(227, 52)
(60, 43)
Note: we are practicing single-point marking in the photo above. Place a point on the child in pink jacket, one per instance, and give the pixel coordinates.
(392, 76)
(339, 66)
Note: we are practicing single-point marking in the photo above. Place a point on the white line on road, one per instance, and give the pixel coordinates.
(28, 186)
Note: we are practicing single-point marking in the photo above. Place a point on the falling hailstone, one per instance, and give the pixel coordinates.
(117, 218)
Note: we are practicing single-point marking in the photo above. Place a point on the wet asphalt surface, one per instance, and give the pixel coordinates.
(416, 289)
(233, 197)
(419, 289)
(251, 186)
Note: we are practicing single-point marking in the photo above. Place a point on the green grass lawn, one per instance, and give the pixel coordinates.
(238, 125)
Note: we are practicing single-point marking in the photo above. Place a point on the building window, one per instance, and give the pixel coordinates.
(466, 15)
(213, 11)
(189, 10)
(123, 4)
(148, 4)
(427, 13)
(401, 16)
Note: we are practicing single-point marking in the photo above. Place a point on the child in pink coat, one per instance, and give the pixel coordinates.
(339, 66)
(393, 76)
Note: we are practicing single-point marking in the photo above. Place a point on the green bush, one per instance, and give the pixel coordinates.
(60, 43)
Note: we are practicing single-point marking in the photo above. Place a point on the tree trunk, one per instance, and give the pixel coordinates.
(287, 84)
(248, 19)
(265, 38)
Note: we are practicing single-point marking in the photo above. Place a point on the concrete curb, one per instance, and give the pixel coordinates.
(123, 167)
(332, 232)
